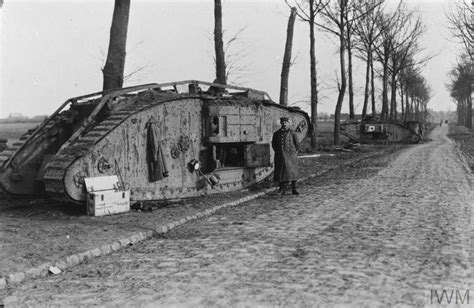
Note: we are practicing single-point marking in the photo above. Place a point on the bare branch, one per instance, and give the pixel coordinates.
(461, 26)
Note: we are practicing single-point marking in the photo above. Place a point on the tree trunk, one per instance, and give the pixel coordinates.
(372, 86)
(469, 106)
(219, 44)
(385, 110)
(342, 90)
(115, 63)
(458, 109)
(466, 112)
(351, 83)
(402, 103)
(313, 78)
(285, 70)
(470, 86)
(366, 88)
(417, 110)
(393, 98)
(407, 106)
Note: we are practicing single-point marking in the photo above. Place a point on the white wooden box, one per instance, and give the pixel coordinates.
(104, 197)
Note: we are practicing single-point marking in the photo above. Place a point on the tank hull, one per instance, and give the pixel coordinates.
(380, 132)
(229, 135)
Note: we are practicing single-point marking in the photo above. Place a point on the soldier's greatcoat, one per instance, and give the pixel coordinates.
(286, 146)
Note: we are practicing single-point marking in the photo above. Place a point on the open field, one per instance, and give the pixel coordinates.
(325, 126)
(13, 131)
(325, 133)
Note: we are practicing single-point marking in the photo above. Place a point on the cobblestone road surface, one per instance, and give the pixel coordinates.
(385, 240)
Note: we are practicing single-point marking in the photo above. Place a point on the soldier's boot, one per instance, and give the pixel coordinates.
(293, 188)
(282, 189)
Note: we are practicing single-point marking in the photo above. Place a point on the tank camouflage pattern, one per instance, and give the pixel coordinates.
(164, 141)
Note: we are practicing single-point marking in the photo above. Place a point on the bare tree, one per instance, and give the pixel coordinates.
(336, 17)
(349, 46)
(405, 48)
(461, 25)
(234, 55)
(115, 63)
(422, 96)
(408, 77)
(393, 37)
(367, 33)
(418, 94)
(372, 86)
(460, 87)
(360, 13)
(285, 69)
(235, 68)
(308, 10)
(219, 44)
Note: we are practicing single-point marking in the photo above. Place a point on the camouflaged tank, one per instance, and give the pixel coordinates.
(163, 141)
(382, 131)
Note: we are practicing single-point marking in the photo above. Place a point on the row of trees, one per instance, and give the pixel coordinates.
(461, 75)
(387, 40)
(460, 87)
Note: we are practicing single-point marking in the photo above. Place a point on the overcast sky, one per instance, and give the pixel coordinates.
(51, 51)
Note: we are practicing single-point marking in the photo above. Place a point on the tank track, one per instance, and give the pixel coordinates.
(6, 154)
(54, 175)
(56, 170)
(10, 151)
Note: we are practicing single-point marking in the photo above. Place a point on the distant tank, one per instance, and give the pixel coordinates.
(163, 141)
(382, 131)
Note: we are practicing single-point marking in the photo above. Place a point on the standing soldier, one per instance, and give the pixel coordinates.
(286, 145)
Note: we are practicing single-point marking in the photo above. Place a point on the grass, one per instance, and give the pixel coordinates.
(325, 126)
(325, 134)
(13, 131)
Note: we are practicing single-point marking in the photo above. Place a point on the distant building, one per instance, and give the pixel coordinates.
(17, 117)
(20, 118)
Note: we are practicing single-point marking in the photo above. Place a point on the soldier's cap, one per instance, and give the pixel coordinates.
(282, 119)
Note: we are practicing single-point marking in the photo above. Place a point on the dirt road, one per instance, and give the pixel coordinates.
(387, 239)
